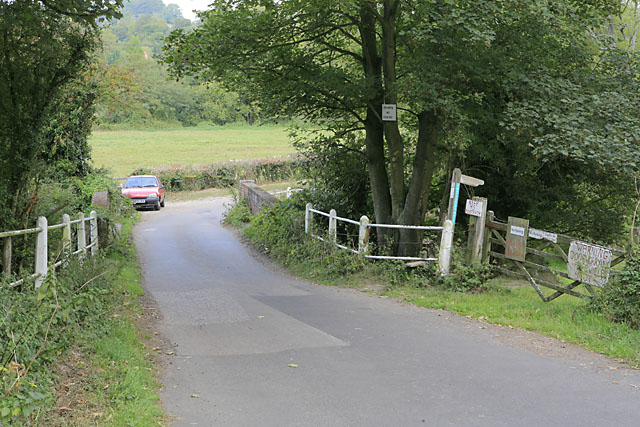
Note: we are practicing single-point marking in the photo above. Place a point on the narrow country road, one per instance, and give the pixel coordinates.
(255, 347)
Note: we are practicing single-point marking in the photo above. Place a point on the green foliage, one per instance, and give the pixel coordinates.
(227, 174)
(238, 214)
(38, 325)
(619, 301)
(45, 104)
(520, 94)
(136, 92)
(467, 278)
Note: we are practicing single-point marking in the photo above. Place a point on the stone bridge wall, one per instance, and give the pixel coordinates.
(256, 197)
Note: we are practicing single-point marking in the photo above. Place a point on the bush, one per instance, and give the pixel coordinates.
(227, 174)
(37, 326)
(619, 300)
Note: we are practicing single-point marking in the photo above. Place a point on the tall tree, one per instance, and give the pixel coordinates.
(337, 62)
(44, 46)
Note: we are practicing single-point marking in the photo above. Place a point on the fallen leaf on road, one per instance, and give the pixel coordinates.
(195, 396)
(293, 365)
(169, 353)
(260, 317)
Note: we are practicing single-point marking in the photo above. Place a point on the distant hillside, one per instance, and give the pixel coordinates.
(136, 92)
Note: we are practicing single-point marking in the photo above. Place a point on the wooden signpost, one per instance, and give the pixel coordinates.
(477, 208)
(457, 178)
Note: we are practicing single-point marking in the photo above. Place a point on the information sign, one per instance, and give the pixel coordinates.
(589, 264)
(543, 235)
(474, 207)
(517, 229)
(389, 112)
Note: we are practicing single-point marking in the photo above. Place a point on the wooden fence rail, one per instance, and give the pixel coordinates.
(533, 267)
(42, 245)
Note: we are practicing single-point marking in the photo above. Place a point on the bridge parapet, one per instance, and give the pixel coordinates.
(256, 196)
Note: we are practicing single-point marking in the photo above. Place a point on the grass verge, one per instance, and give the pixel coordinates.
(110, 380)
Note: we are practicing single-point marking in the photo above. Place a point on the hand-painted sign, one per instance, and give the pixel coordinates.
(543, 235)
(389, 112)
(474, 207)
(516, 248)
(589, 264)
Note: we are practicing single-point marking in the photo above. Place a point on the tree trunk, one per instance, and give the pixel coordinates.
(374, 133)
(392, 133)
(429, 128)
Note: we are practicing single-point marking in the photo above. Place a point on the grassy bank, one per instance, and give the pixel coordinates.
(79, 357)
(122, 152)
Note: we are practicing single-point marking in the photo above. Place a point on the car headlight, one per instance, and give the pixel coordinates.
(153, 194)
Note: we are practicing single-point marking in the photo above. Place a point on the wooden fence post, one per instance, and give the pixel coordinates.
(6, 257)
(363, 241)
(333, 226)
(308, 218)
(41, 251)
(82, 237)
(476, 233)
(93, 224)
(486, 246)
(446, 242)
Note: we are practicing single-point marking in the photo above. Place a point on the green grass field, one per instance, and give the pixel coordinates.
(122, 152)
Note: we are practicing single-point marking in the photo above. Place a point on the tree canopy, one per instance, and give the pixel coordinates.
(45, 48)
(464, 75)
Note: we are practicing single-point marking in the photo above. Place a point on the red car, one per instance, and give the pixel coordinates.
(144, 191)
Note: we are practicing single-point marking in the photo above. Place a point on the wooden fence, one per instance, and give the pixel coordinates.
(542, 258)
(42, 245)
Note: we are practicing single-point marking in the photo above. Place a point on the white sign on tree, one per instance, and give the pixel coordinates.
(389, 112)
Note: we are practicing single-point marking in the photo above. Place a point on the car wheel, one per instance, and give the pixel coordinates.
(162, 203)
(157, 206)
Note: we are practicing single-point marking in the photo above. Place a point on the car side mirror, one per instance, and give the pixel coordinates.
(162, 187)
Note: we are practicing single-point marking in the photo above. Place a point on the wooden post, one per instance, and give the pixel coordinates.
(308, 218)
(66, 238)
(363, 243)
(446, 242)
(333, 226)
(476, 233)
(6, 258)
(41, 251)
(486, 246)
(93, 224)
(453, 195)
(82, 237)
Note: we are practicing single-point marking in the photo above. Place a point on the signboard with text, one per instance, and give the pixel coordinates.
(589, 264)
(389, 112)
(517, 232)
(473, 207)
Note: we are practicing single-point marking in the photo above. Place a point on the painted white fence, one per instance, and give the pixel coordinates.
(446, 240)
(42, 247)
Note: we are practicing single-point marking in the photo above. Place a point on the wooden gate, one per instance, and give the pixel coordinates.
(542, 258)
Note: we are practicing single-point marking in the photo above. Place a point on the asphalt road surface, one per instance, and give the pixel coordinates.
(256, 347)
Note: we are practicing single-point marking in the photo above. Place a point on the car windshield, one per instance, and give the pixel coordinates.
(141, 181)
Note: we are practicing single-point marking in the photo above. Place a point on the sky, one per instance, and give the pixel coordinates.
(186, 6)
